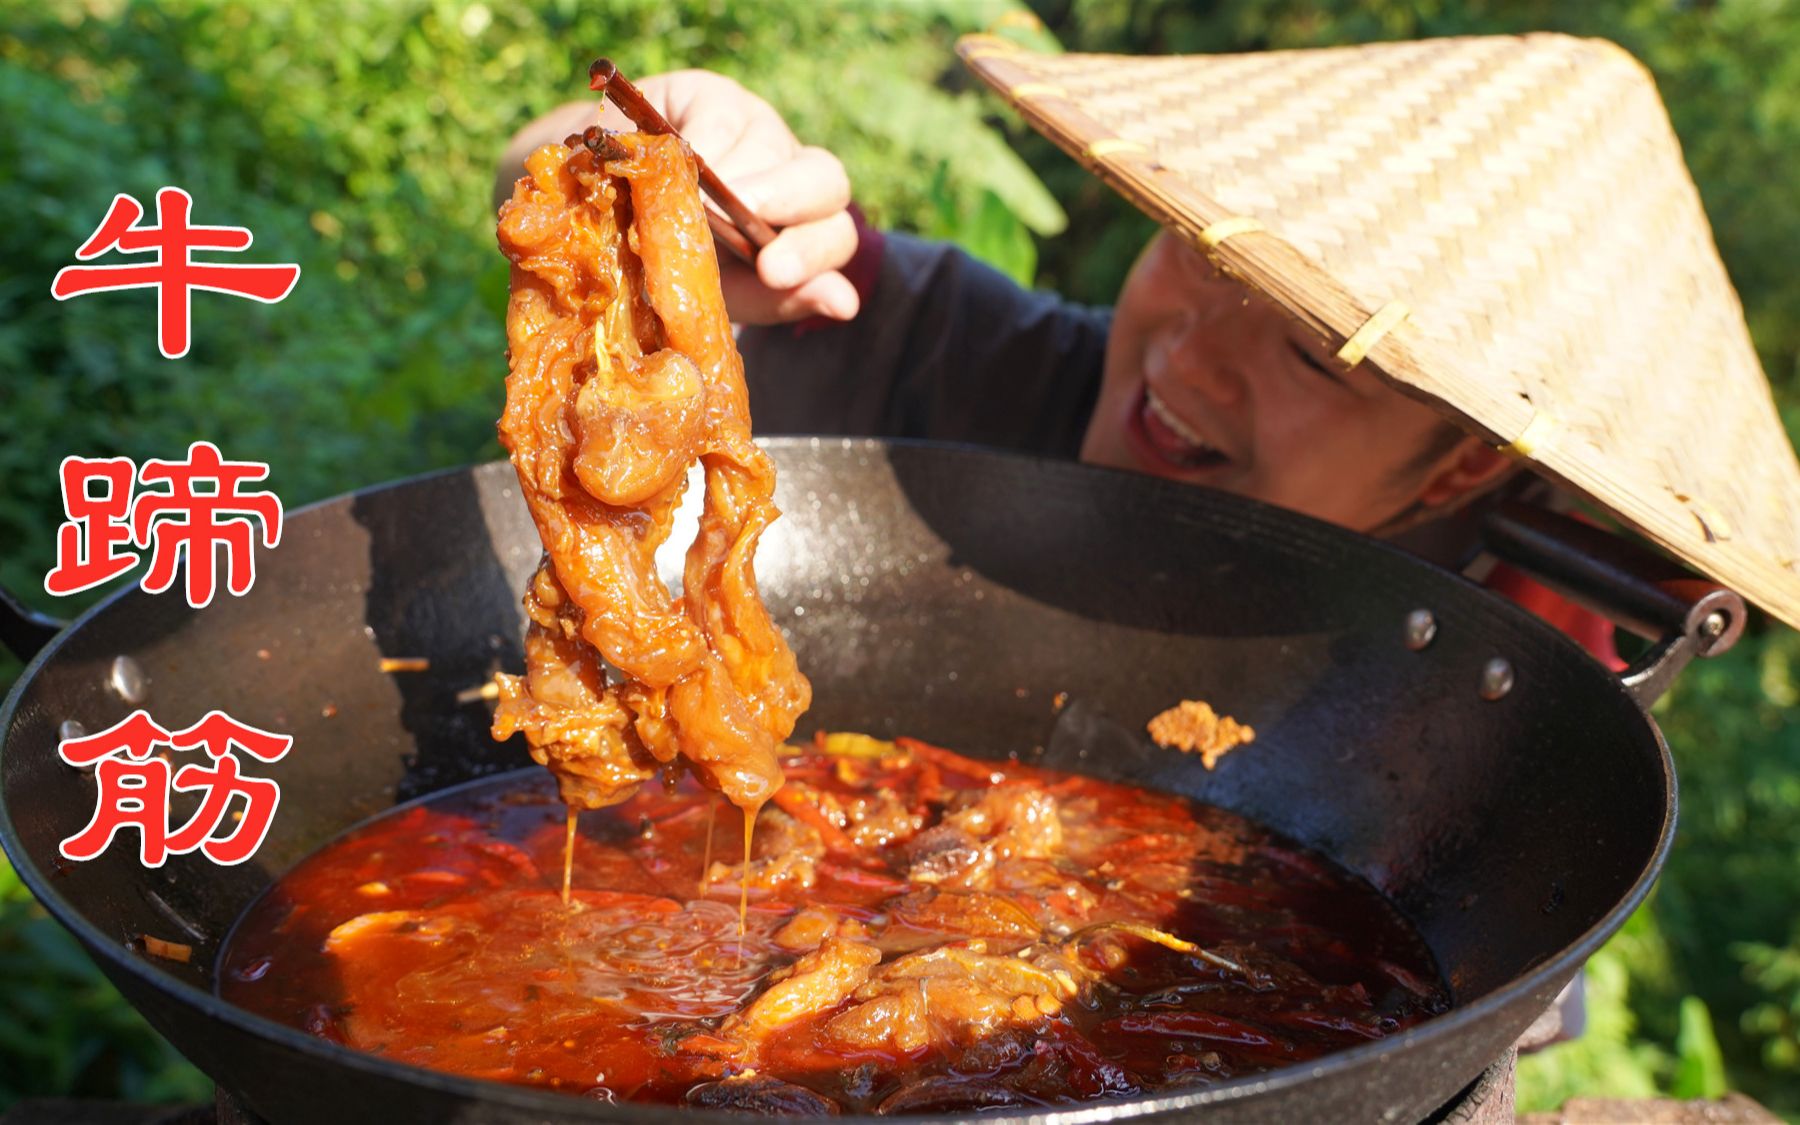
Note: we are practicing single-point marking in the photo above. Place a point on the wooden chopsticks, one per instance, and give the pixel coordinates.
(738, 228)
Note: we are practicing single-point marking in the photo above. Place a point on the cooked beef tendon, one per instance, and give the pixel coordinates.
(623, 375)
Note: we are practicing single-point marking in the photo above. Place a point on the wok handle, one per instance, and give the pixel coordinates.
(1685, 614)
(23, 630)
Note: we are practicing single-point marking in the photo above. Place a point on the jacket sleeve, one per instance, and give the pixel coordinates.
(944, 348)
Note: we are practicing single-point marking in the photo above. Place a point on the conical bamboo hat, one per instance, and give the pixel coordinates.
(1503, 226)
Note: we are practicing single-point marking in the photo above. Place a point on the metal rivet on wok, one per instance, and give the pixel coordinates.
(1421, 629)
(128, 680)
(1713, 625)
(69, 730)
(1496, 678)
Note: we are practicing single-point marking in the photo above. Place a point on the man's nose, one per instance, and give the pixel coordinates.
(1206, 361)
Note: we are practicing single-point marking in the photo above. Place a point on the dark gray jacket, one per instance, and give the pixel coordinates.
(944, 348)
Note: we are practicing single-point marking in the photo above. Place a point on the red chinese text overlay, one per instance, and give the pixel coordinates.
(199, 511)
(134, 784)
(173, 273)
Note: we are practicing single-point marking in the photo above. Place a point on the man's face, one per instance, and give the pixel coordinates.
(1208, 384)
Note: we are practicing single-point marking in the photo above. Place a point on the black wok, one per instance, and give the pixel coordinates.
(948, 594)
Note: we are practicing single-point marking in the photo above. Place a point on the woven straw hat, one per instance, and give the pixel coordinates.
(1503, 226)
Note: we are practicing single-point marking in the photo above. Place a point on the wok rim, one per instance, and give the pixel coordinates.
(121, 958)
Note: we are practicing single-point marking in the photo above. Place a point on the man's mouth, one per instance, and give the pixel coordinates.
(1162, 434)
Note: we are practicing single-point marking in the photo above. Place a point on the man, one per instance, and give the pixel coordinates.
(1189, 376)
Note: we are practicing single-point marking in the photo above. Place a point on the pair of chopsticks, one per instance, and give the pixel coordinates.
(739, 228)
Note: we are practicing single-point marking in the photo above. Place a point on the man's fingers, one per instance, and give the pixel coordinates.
(752, 302)
(829, 294)
(714, 135)
(802, 252)
(613, 119)
(710, 111)
(809, 185)
(802, 189)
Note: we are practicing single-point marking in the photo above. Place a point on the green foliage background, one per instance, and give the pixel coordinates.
(358, 139)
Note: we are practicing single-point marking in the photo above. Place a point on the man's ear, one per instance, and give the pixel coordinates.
(1469, 468)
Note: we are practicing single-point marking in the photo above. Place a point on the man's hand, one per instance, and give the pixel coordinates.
(801, 189)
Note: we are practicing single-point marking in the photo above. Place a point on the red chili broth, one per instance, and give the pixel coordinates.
(627, 992)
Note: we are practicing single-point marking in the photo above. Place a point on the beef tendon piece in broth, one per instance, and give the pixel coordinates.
(1193, 727)
(623, 375)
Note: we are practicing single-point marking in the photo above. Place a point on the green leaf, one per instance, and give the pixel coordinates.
(1699, 1066)
(993, 234)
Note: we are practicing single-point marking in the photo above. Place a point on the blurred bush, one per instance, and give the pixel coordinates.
(358, 140)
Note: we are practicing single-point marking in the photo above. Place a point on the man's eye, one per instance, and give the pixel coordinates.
(1315, 363)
